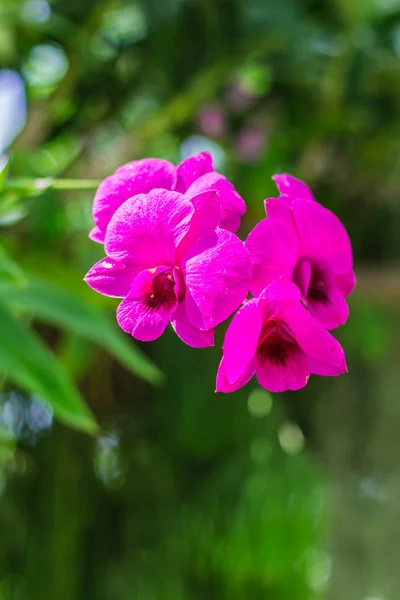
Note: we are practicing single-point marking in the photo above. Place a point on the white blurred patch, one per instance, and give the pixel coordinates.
(395, 35)
(46, 65)
(197, 143)
(291, 438)
(319, 569)
(36, 11)
(372, 488)
(259, 403)
(108, 462)
(12, 107)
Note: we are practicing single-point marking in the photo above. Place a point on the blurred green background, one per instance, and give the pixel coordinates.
(183, 494)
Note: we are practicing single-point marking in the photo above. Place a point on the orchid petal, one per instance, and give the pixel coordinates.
(329, 308)
(136, 317)
(302, 276)
(217, 273)
(206, 217)
(187, 333)
(191, 169)
(319, 345)
(111, 278)
(141, 324)
(137, 177)
(232, 205)
(292, 188)
(97, 235)
(322, 236)
(345, 283)
(279, 290)
(273, 250)
(223, 384)
(241, 340)
(146, 229)
(290, 374)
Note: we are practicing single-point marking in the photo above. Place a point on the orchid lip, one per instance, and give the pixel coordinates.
(162, 291)
(275, 342)
(313, 281)
(167, 287)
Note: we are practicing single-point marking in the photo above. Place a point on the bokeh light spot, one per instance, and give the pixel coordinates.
(259, 403)
(291, 438)
(36, 11)
(46, 65)
(125, 24)
(319, 569)
(197, 143)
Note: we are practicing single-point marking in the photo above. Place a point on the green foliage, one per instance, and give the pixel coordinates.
(59, 307)
(10, 271)
(23, 356)
(188, 495)
(4, 166)
(28, 363)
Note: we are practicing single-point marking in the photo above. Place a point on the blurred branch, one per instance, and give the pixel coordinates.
(379, 284)
(22, 184)
(182, 107)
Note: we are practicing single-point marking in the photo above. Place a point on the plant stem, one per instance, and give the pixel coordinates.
(35, 186)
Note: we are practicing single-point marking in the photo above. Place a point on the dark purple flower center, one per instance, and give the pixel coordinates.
(317, 290)
(163, 292)
(275, 343)
(313, 281)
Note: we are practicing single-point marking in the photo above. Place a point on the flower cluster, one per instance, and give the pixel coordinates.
(173, 256)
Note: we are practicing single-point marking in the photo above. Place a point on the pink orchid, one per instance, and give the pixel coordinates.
(171, 262)
(194, 175)
(303, 241)
(290, 188)
(276, 338)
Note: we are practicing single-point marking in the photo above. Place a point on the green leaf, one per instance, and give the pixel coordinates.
(29, 364)
(12, 208)
(69, 311)
(4, 166)
(9, 270)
